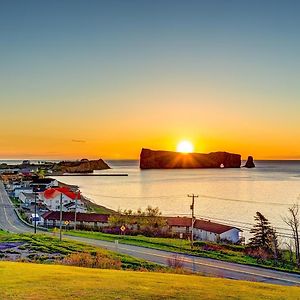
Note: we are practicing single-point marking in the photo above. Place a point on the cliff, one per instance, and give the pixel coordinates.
(150, 159)
(82, 166)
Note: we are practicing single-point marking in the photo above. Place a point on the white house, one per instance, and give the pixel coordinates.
(51, 198)
(205, 230)
(27, 198)
(211, 231)
(43, 183)
(22, 189)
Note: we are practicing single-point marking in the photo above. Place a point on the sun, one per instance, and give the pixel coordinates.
(185, 147)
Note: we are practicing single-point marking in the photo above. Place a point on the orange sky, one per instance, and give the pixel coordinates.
(106, 79)
(92, 130)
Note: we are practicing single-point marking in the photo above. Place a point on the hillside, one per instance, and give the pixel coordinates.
(37, 281)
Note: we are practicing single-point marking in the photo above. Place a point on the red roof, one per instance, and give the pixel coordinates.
(179, 221)
(199, 224)
(53, 192)
(80, 217)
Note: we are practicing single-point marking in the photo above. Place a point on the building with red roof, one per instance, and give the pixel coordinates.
(204, 229)
(52, 218)
(51, 197)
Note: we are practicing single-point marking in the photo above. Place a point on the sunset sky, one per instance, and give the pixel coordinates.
(106, 78)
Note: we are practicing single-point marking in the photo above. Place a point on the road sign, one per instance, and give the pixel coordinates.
(122, 228)
(66, 222)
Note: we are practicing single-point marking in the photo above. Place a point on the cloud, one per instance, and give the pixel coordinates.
(78, 141)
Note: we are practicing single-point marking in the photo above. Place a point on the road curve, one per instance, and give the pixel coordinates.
(10, 222)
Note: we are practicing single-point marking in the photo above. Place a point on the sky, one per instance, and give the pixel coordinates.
(106, 78)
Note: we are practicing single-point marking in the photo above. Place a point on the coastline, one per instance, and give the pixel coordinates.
(90, 204)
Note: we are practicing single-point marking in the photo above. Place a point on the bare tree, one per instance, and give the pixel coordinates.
(293, 222)
(274, 246)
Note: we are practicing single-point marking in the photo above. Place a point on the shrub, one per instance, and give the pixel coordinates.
(88, 260)
(259, 253)
(175, 261)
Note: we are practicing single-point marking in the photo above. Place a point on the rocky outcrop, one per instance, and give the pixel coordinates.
(249, 163)
(150, 159)
(82, 166)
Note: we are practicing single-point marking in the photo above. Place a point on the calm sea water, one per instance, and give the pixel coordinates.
(231, 196)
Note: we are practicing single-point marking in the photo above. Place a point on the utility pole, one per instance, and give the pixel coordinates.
(60, 218)
(35, 212)
(192, 207)
(75, 216)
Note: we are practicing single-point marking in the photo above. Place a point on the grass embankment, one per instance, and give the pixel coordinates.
(99, 209)
(91, 206)
(33, 281)
(48, 249)
(225, 252)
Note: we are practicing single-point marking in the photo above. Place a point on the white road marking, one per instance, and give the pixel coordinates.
(5, 213)
(208, 265)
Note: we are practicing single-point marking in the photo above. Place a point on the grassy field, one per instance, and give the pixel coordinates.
(33, 281)
(41, 248)
(230, 253)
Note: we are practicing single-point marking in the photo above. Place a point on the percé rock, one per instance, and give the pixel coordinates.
(150, 159)
(249, 163)
(82, 166)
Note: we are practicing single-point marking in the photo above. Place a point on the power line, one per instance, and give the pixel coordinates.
(202, 196)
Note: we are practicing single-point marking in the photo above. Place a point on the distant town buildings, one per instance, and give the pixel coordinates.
(50, 196)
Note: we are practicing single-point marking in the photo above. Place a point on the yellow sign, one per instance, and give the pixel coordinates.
(67, 222)
(123, 228)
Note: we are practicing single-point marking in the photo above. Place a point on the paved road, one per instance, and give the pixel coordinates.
(8, 218)
(9, 221)
(198, 264)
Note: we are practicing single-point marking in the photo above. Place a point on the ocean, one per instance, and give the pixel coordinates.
(230, 196)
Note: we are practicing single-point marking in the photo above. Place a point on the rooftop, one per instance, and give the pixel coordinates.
(80, 217)
(199, 224)
(53, 192)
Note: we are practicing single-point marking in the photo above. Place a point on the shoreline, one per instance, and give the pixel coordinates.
(90, 204)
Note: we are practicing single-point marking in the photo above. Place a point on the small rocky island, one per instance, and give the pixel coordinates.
(150, 159)
(81, 166)
(249, 163)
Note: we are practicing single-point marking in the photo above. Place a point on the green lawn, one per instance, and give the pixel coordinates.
(231, 253)
(47, 244)
(51, 282)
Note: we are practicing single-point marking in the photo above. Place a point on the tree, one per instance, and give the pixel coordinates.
(293, 222)
(262, 233)
(274, 245)
(153, 218)
(150, 219)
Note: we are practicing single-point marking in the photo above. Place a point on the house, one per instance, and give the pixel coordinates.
(27, 198)
(9, 177)
(21, 189)
(41, 184)
(204, 229)
(51, 198)
(51, 219)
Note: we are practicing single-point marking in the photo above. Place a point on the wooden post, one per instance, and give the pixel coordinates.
(60, 218)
